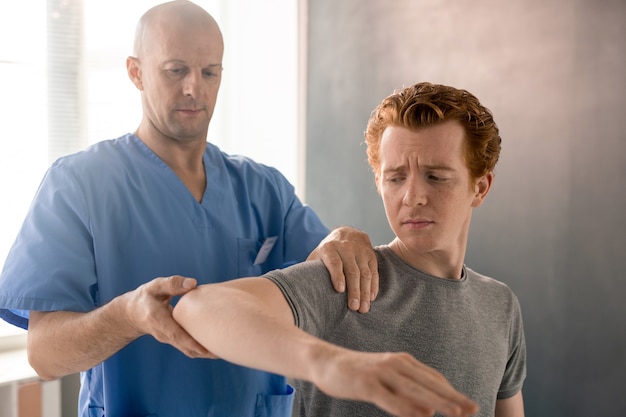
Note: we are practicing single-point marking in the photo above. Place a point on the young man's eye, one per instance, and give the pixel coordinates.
(436, 178)
(395, 179)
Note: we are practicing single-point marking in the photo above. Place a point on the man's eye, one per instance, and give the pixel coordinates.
(394, 180)
(175, 71)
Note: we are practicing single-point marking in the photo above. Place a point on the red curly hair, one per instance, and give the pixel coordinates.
(426, 104)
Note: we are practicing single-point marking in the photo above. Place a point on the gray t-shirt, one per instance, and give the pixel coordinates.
(470, 329)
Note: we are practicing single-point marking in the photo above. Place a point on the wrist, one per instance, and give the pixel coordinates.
(120, 312)
(318, 356)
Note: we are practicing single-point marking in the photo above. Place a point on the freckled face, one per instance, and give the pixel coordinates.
(427, 190)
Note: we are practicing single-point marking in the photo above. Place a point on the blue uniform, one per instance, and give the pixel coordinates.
(112, 217)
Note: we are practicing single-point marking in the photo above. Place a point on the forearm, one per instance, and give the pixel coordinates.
(252, 327)
(510, 407)
(62, 342)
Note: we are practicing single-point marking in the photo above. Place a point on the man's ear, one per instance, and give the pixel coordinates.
(481, 189)
(133, 69)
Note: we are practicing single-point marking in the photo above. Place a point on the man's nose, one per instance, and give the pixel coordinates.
(414, 193)
(190, 83)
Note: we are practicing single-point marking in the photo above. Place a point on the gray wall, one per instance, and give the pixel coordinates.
(554, 225)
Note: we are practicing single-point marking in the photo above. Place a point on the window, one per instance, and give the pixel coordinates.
(64, 86)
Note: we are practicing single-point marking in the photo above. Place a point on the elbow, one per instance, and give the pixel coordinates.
(36, 360)
(184, 309)
(191, 313)
(194, 308)
(181, 308)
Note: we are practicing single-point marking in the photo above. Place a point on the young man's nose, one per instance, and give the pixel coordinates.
(414, 194)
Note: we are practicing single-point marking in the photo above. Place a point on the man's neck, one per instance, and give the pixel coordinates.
(184, 158)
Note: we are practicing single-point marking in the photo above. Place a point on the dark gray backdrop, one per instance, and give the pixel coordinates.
(554, 225)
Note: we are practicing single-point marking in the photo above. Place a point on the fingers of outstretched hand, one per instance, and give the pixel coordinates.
(402, 386)
(416, 390)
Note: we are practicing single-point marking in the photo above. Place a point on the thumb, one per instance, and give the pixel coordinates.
(179, 285)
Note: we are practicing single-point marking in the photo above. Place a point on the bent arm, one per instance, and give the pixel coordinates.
(510, 407)
(60, 343)
(249, 322)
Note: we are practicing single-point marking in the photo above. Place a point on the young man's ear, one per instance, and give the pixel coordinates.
(133, 69)
(481, 189)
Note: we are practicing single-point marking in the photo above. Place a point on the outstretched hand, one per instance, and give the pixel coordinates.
(395, 382)
(149, 311)
(351, 261)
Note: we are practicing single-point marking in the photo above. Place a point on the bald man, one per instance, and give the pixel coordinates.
(91, 273)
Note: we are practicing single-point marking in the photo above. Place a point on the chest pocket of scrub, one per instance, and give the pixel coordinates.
(252, 255)
(95, 412)
(275, 405)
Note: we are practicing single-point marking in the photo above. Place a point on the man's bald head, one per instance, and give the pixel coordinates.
(178, 69)
(171, 16)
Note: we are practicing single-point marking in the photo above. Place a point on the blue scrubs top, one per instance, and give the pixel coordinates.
(112, 217)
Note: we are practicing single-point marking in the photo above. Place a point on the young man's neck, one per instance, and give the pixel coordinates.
(439, 264)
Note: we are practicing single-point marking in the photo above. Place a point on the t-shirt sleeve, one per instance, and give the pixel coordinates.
(515, 371)
(316, 306)
(51, 263)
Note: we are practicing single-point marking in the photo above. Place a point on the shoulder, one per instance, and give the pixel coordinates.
(317, 308)
(246, 168)
(486, 282)
(101, 157)
(305, 280)
(305, 273)
(389, 262)
(93, 173)
(493, 289)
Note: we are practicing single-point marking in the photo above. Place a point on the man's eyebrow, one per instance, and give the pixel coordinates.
(436, 167)
(439, 167)
(393, 170)
(180, 61)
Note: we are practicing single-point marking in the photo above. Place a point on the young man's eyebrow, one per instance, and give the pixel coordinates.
(436, 167)
(393, 170)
